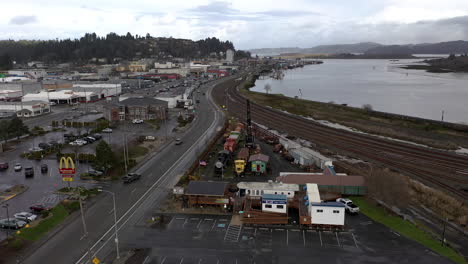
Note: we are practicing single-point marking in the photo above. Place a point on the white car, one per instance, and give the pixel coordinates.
(137, 121)
(151, 138)
(107, 130)
(52, 103)
(18, 167)
(349, 206)
(25, 216)
(81, 142)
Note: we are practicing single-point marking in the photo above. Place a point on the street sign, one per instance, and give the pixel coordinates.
(67, 166)
(67, 179)
(96, 260)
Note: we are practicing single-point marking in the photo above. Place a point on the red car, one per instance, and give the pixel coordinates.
(3, 165)
(39, 208)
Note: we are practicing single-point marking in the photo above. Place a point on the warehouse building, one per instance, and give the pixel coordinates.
(102, 90)
(328, 214)
(25, 109)
(207, 193)
(57, 97)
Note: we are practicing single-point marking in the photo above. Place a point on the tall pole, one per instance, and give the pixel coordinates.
(442, 115)
(115, 223)
(85, 229)
(124, 152)
(443, 231)
(8, 217)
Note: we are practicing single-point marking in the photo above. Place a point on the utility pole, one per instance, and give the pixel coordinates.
(115, 223)
(124, 148)
(443, 115)
(8, 217)
(85, 229)
(443, 232)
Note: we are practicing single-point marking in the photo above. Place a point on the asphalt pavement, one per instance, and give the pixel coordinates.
(160, 173)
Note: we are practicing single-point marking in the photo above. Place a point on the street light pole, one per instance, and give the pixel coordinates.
(8, 217)
(115, 223)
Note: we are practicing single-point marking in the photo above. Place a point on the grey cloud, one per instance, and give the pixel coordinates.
(219, 7)
(23, 20)
(288, 13)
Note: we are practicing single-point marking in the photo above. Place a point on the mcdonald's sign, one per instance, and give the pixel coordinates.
(67, 166)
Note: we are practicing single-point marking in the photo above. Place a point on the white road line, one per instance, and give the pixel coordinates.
(164, 260)
(320, 236)
(110, 212)
(184, 223)
(255, 232)
(214, 223)
(287, 237)
(263, 228)
(180, 218)
(146, 259)
(199, 261)
(303, 237)
(133, 190)
(279, 229)
(199, 223)
(194, 218)
(354, 240)
(163, 177)
(182, 260)
(217, 262)
(337, 239)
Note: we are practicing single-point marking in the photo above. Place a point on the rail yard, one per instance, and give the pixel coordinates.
(444, 170)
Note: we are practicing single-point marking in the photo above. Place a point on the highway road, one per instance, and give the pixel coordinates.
(160, 173)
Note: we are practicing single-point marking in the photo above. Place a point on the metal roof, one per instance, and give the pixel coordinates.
(259, 157)
(207, 188)
(142, 101)
(273, 186)
(328, 204)
(320, 179)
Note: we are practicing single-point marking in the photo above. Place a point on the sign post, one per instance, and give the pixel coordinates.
(67, 169)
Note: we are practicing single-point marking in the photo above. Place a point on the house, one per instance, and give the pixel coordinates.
(207, 193)
(144, 108)
(257, 189)
(276, 203)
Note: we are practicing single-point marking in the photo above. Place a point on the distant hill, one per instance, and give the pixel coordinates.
(457, 47)
(275, 51)
(342, 48)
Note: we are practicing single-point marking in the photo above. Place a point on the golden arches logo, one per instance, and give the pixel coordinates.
(67, 165)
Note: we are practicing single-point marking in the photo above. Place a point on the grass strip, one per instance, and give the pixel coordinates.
(406, 229)
(59, 213)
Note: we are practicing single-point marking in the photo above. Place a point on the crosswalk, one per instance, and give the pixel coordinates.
(232, 233)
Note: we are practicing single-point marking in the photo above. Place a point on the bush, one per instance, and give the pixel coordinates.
(45, 213)
(71, 206)
(16, 244)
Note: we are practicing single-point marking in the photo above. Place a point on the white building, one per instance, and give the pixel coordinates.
(330, 213)
(30, 73)
(13, 79)
(166, 65)
(58, 97)
(102, 90)
(181, 71)
(10, 95)
(257, 189)
(26, 109)
(230, 55)
(275, 203)
(313, 195)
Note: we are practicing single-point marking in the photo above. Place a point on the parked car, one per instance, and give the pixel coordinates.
(43, 145)
(12, 223)
(137, 121)
(95, 173)
(52, 103)
(131, 177)
(35, 149)
(178, 141)
(44, 168)
(3, 165)
(97, 136)
(28, 172)
(74, 143)
(89, 140)
(18, 167)
(39, 208)
(25, 216)
(107, 130)
(81, 141)
(150, 138)
(349, 206)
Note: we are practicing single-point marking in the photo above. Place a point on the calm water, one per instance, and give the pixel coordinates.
(381, 84)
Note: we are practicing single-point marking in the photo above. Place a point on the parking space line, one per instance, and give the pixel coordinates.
(354, 240)
(199, 223)
(337, 239)
(199, 261)
(263, 228)
(255, 232)
(248, 227)
(217, 262)
(303, 237)
(222, 219)
(320, 236)
(164, 260)
(214, 223)
(294, 230)
(133, 190)
(279, 229)
(208, 219)
(182, 260)
(287, 238)
(170, 221)
(146, 259)
(184, 222)
(180, 218)
(194, 218)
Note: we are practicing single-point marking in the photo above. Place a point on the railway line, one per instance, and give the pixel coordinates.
(446, 170)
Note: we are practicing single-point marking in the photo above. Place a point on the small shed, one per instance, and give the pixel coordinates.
(207, 193)
(331, 213)
(275, 203)
(259, 163)
(307, 157)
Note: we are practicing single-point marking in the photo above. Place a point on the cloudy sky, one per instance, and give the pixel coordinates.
(248, 23)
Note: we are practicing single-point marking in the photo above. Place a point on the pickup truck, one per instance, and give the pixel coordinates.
(349, 206)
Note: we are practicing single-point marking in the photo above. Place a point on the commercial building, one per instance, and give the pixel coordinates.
(257, 189)
(102, 90)
(328, 214)
(230, 55)
(144, 108)
(25, 109)
(275, 203)
(207, 193)
(10, 95)
(24, 87)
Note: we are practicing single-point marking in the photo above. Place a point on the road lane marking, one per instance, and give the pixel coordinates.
(146, 259)
(337, 239)
(164, 260)
(303, 237)
(320, 236)
(354, 240)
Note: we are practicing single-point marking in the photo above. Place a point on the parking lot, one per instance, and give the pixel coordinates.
(209, 239)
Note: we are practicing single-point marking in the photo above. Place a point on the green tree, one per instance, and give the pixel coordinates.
(17, 128)
(105, 157)
(4, 131)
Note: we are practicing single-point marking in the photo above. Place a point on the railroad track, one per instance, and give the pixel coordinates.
(446, 170)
